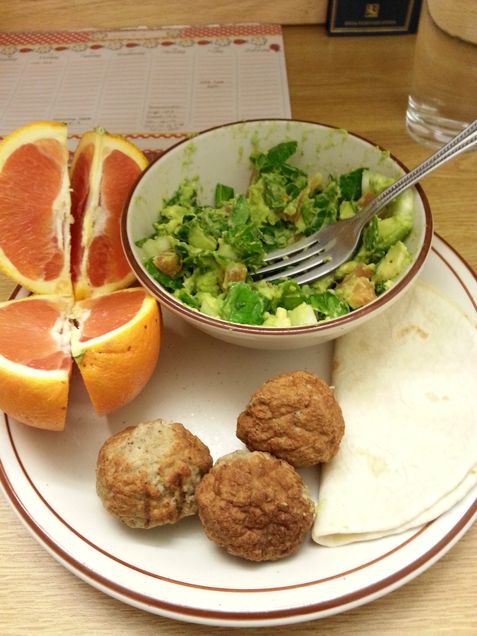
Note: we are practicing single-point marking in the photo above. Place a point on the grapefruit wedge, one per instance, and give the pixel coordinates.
(35, 208)
(114, 339)
(103, 171)
(35, 362)
(116, 345)
(113, 333)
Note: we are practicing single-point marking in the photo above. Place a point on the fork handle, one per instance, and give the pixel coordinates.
(461, 142)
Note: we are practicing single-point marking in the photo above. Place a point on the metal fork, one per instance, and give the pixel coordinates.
(322, 252)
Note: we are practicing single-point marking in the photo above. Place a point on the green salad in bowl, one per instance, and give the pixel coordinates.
(202, 216)
(204, 254)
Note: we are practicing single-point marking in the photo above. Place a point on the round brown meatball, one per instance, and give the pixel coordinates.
(146, 475)
(255, 506)
(294, 416)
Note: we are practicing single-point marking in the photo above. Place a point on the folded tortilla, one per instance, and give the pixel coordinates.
(406, 382)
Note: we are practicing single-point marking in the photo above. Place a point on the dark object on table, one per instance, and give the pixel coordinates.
(352, 17)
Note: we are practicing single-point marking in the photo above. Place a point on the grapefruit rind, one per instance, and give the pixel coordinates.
(116, 366)
(30, 134)
(36, 398)
(117, 142)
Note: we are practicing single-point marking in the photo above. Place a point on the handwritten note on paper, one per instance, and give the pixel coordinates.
(153, 85)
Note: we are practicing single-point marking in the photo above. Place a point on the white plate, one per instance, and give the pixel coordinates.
(49, 478)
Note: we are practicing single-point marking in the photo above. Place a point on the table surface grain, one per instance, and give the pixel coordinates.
(360, 84)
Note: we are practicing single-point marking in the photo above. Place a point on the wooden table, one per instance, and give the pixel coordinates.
(360, 84)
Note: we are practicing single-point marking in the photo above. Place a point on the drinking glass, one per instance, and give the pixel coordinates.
(443, 96)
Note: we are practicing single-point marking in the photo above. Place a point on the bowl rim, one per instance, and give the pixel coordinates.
(223, 325)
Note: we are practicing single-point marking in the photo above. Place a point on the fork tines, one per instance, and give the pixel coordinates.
(303, 256)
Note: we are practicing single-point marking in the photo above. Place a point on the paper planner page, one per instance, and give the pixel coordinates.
(152, 85)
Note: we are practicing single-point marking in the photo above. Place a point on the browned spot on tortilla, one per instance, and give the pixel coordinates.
(436, 398)
(413, 329)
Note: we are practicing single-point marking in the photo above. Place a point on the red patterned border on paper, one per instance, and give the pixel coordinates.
(68, 38)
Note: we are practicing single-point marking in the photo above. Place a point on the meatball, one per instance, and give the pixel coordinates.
(255, 506)
(294, 416)
(146, 475)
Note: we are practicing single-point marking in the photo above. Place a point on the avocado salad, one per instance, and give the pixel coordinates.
(205, 254)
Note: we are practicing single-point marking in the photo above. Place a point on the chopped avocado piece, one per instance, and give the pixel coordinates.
(198, 238)
(380, 234)
(393, 263)
(322, 284)
(347, 210)
(210, 305)
(208, 282)
(278, 319)
(185, 195)
(302, 315)
(268, 293)
(157, 245)
(359, 268)
(375, 182)
(259, 210)
(226, 251)
(214, 222)
(392, 229)
(403, 204)
(174, 212)
(345, 269)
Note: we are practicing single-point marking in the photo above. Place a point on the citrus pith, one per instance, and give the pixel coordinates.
(103, 170)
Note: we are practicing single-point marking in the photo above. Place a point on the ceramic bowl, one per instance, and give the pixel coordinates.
(222, 155)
